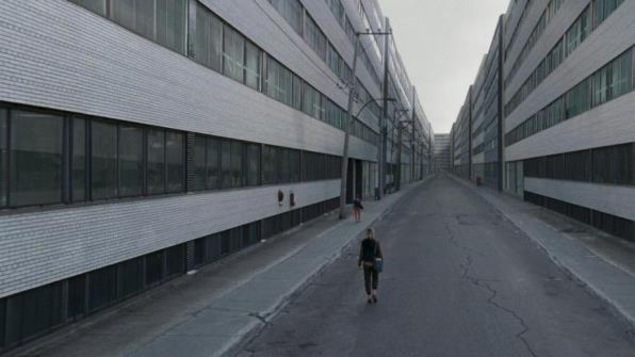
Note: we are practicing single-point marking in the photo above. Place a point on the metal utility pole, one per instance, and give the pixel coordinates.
(399, 148)
(383, 128)
(413, 137)
(349, 119)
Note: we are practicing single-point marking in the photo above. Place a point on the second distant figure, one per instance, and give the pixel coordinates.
(357, 209)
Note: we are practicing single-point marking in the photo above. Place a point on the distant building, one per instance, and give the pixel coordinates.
(442, 152)
(566, 134)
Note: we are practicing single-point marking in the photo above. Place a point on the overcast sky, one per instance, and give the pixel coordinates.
(442, 44)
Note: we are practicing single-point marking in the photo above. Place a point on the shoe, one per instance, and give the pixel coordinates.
(370, 301)
(374, 299)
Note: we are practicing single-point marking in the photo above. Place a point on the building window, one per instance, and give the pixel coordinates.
(225, 162)
(162, 21)
(130, 161)
(199, 163)
(104, 160)
(102, 288)
(315, 37)
(175, 165)
(236, 163)
(280, 82)
(234, 54)
(253, 164)
(209, 39)
(36, 165)
(213, 163)
(79, 160)
(621, 79)
(4, 131)
(253, 57)
(156, 161)
(291, 11)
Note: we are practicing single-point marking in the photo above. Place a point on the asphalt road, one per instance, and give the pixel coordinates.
(459, 280)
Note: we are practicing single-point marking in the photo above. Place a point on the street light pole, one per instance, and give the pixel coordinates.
(349, 119)
(383, 126)
(399, 148)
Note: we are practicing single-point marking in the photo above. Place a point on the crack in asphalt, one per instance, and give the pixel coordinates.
(261, 318)
(481, 283)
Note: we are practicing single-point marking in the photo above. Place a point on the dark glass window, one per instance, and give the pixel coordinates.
(225, 161)
(3, 309)
(130, 161)
(76, 296)
(79, 171)
(102, 288)
(283, 165)
(13, 330)
(154, 267)
(236, 163)
(41, 309)
(36, 165)
(4, 131)
(130, 277)
(213, 163)
(253, 165)
(174, 158)
(199, 162)
(104, 160)
(175, 257)
(294, 166)
(209, 39)
(156, 161)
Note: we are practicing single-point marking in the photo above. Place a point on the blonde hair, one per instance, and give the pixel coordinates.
(370, 233)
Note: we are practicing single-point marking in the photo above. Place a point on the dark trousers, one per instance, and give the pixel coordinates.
(370, 274)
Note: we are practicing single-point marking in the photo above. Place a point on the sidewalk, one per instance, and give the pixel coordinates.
(211, 312)
(605, 264)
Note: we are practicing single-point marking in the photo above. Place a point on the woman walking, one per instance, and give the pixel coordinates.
(357, 209)
(369, 253)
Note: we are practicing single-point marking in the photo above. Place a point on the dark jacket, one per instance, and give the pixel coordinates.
(367, 251)
(357, 203)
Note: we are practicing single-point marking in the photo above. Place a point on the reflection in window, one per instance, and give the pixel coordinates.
(234, 54)
(252, 65)
(36, 165)
(209, 39)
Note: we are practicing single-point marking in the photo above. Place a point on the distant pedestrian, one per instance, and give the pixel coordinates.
(357, 208)
(370, 259)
